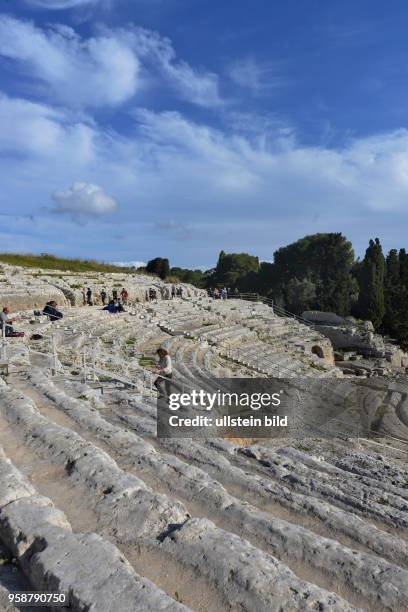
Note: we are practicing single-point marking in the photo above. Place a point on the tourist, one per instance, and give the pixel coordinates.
(111, 307)
(50, 309)
(89, 296)
(124, 295)
(164, 369)
(224, 293)
(216, 293)
(173, 291)
(114, 294)
(6, 323)
(119, 306)
(104, 296)
(236, 291)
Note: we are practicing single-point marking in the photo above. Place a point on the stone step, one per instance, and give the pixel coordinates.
(91, 573)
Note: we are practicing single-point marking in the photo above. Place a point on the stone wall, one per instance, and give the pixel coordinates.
(346, 338)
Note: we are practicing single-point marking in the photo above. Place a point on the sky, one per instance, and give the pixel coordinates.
(131, 129)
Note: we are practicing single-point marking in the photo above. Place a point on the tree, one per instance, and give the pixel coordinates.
(326, 261)
(396, 296)
(194, 277)
(371, 282)
(300, 295)
(234, 270)
(392, 291)
(159, 266)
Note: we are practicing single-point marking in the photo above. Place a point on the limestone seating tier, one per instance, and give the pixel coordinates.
(91, 573)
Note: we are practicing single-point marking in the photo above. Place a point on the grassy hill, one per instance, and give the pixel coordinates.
(50, 262)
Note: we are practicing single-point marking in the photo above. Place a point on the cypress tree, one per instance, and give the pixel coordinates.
(371, 282)
(392, 290)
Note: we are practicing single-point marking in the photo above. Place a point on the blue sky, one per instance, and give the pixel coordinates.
(138, 128)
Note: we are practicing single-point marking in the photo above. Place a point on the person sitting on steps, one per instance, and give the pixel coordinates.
(164, 369)
(119, 306)
(50, 309)
(6, 323)
(112, 307)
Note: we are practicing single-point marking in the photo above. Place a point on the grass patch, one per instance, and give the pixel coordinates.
(147, 362)
(304, 449)
(51, 262)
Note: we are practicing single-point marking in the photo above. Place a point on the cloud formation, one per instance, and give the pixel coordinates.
(130, 264)
(83, 200)
(103, 70)
(35, 130)
(214, 178)
(60, 4)
(198, 86)
(96, 71)
(259, 78)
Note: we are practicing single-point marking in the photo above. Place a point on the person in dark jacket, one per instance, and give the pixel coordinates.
(50, 309)
(104, 295)
(89, 296)
(111, 307)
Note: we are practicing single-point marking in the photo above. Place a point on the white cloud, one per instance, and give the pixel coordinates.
(83, 200)
(260, 78)
(60, 4)
(31, 129)
(198, 86)
(97, 71)
(130, 264)
(104, 70)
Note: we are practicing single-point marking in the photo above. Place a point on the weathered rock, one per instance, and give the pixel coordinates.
(269, 585)
(90, 571)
